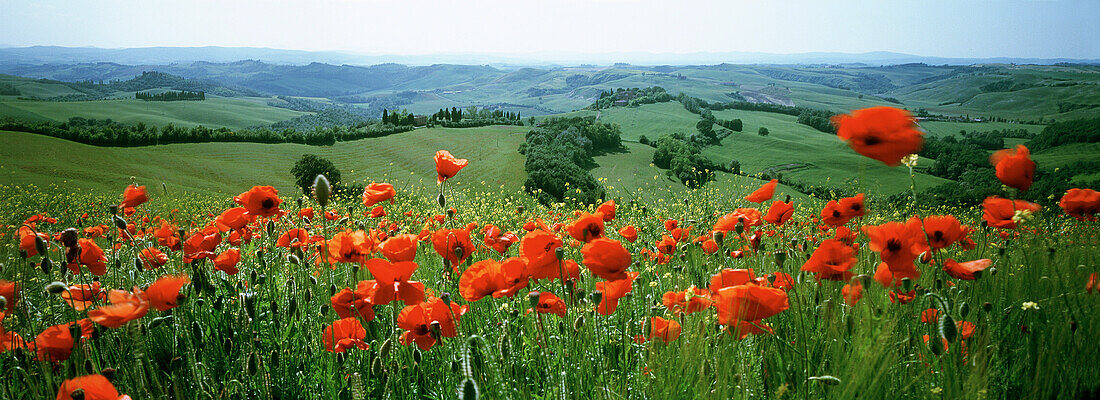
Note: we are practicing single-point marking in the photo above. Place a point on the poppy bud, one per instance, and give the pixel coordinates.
(3, 302)
(533, 299)
(109, 373)
(469, 390)
(160, 321)
(780, 258)
(120, 223)
(446, 297)
(332, 290)
(113, 209)
(40, 245)
(596, 296)
(293, 259)
(987, 306)
(441, 200)
(948, 329)
(46, 265)
(324, 309)
(964, 309)
(253, 363)
(56, 287)
(137, 264)
(384, 351)
(559, 252)
(376, 366)
(458, 250)
(519, 209)
(321, 190)
(906, 284)
(274, 358)
(1072, 326)
(339, 358)
(417, 355)
(23, 254)
(77, 394)
(227, 345)
(88, 367)
(719, 236)
(937, 348)
(578, 323)
(196, 333)
(292, 307)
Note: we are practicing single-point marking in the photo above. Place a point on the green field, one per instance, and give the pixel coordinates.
(225, 168)
(233, 113)
(946, 128)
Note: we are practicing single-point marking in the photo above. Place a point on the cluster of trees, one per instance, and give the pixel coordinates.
(815, 118)
(106, 132)
(559, 155)
(398, 119)
(474, 117)
(7, 89)
(732, 124)
(633, 97)
(1075, 131)
(171, 96)
(684, 160)
(1062, 106)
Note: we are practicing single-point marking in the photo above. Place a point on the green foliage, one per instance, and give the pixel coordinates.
(170, 96)
(1075, 131)
(683, 161)
(7, 89)
(307, 168)
(734, 124)
(762, 131)
(559, 155)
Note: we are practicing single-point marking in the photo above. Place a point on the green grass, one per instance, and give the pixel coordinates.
(945, 128)
(214, 112)
(230, 168)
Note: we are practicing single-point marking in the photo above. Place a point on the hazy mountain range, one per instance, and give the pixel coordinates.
(169, 55)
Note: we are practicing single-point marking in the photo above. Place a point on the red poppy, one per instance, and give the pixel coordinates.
(549, 303)
(891, 278)
(664, 329)
(233, 219)
(747, 217)
(688, 301)
(227, 261)
(966, 270)
(667, 245)
(378, 192)
(151, 258)
(306, 213)
(1014, 167)
(166, 236)
(93, 387)
(91, 256)
(349, 304)
(454, 245)
(898, 244)
(606, 258)
(1082, 204)
(852, 293)
(613, 291)
(607, 210)
(831, 261)
(293, 238)
(539, 248)
(83, 296)
(481, 279)
(930, 316)
(671, 224)
(201, 244)
(164, 294)
(400, 248)
(447, 166)
(730, 277)
(886, 134)
(710, 246)
(349, 247)
(347, 333)
(943, 231)
(899, 297)
(749, 303)
(1092, 283)
(10, 292)
(764, 193)
(629, 233)
(260, 201)
(56, 342)
(586, 227)
(425, 322)
(124, 307)
(500, 241)
(27, 238)
(1003, 213)
(779, 213)
(393, 282)
(133, 196)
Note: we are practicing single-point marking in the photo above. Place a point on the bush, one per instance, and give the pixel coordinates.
(308, 167)
(763, 131)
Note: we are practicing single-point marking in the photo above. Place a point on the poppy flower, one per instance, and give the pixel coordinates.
(539, 248)
(201, 244)
(400, 248)
(345, 334)
(930, 316)
(164, 294)
(1004, 213)
(1092, 283)
(687, 301)
(227, 261)
(742, 329)
(233, 219)
(377, 192)
(349, 304)
(606, 258)
(260, 201)
(891, 278)
(56, 342)
(1082, 204)
(664, 329)
(549, 303)
(293, 238)
(671, 224)
(306, 213)
(500, 241)
(447, 166)
(747, 217)
(93, 387)
(124, 307)
(899, 297)
(166, 236)
(749, 303)
(349, 247)
(886, 134)
(1014, 167)
(629, 232)
(965, 270)
(91, 256)
(764, 193)
(133, 196)
(898, 244)
(151, 258)
(831, 261)
(852, 293)
(613, 291)
(607, 210)
(943, 231)
(454, 245)
(10, 292)
(710, 246)
(27, 240)
(586, 227)
(425, 322)
(779, 213)
(83, 296)
(393, 282)
(482, 278)
(730, 277)
(667, 245)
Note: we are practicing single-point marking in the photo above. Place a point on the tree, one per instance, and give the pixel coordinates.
(763, 131)
(308, 167)
(735, 167)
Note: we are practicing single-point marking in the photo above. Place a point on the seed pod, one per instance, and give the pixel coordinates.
(469, 390)
(46, 265)
(120, 223)
(780, 258)
(947, 327)
(446, 297)
(964, 309)
(40, 245)
(56, 287)
(533, 299)
(441, 200)
(384, 351)
(596, 296)
(322, 189)
(417, 355)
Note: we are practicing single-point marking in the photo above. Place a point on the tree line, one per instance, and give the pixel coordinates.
(171, 96)
(559, 156)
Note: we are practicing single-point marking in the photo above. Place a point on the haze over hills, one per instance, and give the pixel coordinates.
(217, 54)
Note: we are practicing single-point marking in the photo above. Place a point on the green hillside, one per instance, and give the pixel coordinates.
(214, 112)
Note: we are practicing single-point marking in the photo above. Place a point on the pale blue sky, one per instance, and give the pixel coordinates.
(956, 28)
